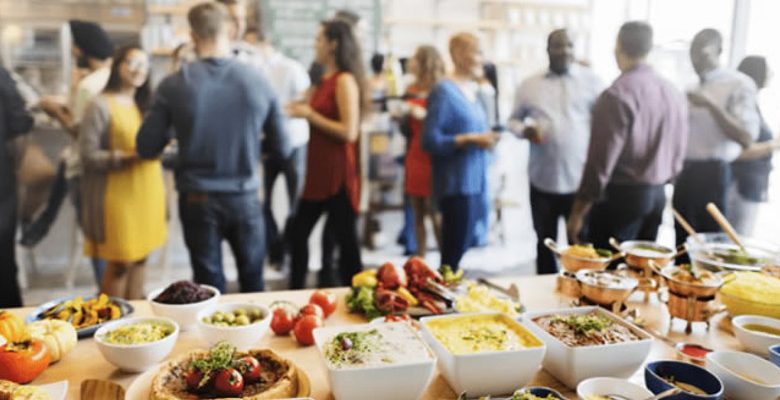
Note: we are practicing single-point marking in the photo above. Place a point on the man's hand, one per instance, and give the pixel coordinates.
(299, 110)
(699, 100)
(485, 140)
(532, 133)
(576, 219)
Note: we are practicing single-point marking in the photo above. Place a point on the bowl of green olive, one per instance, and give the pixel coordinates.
(240, 324)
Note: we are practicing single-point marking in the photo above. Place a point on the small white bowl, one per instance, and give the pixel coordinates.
(136, 357)
(186, 315)
(605, 386)
(395, 381)
(755, 342)
(733, 368)
(486, 373)
(243, 337)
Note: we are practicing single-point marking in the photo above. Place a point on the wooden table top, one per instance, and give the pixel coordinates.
(537, 294)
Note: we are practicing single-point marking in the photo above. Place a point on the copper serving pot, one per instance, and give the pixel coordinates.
(682, 288)
(639, 253)
(574, 264)
(690, 308)
(605, 292)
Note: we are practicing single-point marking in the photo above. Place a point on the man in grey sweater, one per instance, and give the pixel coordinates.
(219, 109)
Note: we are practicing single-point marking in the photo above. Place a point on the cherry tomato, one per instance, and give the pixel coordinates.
(303, 331)
(309, 309)
(228, 382)
(249, 368)
(283, 321)
(194, 377)
(326, 300)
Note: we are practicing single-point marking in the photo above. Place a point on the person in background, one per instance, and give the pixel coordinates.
(457, 136)
(92, 50)
(219, 108)
(14, 121)
(290, 81)
(427, 66)
(724, 120)
(332, 185)
(639, 131)
(553, 110)
(123, 198)
(751, 170)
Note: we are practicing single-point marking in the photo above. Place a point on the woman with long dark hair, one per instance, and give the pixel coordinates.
(750, 172)
(123, 199)
(332, 185)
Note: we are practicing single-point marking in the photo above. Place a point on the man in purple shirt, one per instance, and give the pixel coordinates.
(639, 133)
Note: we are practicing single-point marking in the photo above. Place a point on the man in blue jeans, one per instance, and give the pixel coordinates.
(219, 107)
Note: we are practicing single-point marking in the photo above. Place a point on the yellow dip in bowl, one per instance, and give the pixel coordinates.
(479, 333)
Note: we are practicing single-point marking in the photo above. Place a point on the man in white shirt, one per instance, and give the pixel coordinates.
(723, 120)
(289, 80)
(552, 110)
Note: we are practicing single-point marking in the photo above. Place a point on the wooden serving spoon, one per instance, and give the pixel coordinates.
(725, 225)
(96, 389)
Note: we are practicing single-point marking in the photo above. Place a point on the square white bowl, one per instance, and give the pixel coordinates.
(571, 365)
(486, 373)
(391, 382)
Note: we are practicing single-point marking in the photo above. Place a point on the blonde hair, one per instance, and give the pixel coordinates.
(463, 41)
(430, 66)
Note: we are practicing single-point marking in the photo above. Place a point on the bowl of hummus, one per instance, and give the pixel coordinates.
(137, 344)
(385, 361)
(483, 353)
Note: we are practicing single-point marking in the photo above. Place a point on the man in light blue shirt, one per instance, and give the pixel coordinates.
(553, 111)
(723, 120)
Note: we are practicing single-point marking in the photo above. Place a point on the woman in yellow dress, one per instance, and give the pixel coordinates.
(123, 198)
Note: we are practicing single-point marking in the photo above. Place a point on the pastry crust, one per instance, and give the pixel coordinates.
(280, 378)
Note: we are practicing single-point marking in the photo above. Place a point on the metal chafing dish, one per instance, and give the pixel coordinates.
(606, 288)
(689, 301)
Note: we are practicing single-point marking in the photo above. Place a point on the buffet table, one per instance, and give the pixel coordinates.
(537, 293)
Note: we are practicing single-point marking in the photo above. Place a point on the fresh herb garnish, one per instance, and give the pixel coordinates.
(361, 299)
(220, 357)
(360, 343)
(584, 324)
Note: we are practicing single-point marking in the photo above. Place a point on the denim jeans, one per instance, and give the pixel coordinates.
(209, 218)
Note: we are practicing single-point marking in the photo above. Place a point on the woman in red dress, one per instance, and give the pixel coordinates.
(332, 183)
(427, 66)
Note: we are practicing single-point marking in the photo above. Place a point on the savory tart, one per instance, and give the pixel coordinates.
(12, 391)
(224, 373)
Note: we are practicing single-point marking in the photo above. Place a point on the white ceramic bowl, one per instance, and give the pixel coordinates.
(571, 365)
(734, 368)
(186, 315)
(755, 342)
(136, 357)
(243, 337)
(396, 381)
(615, 386)
(485, 373)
